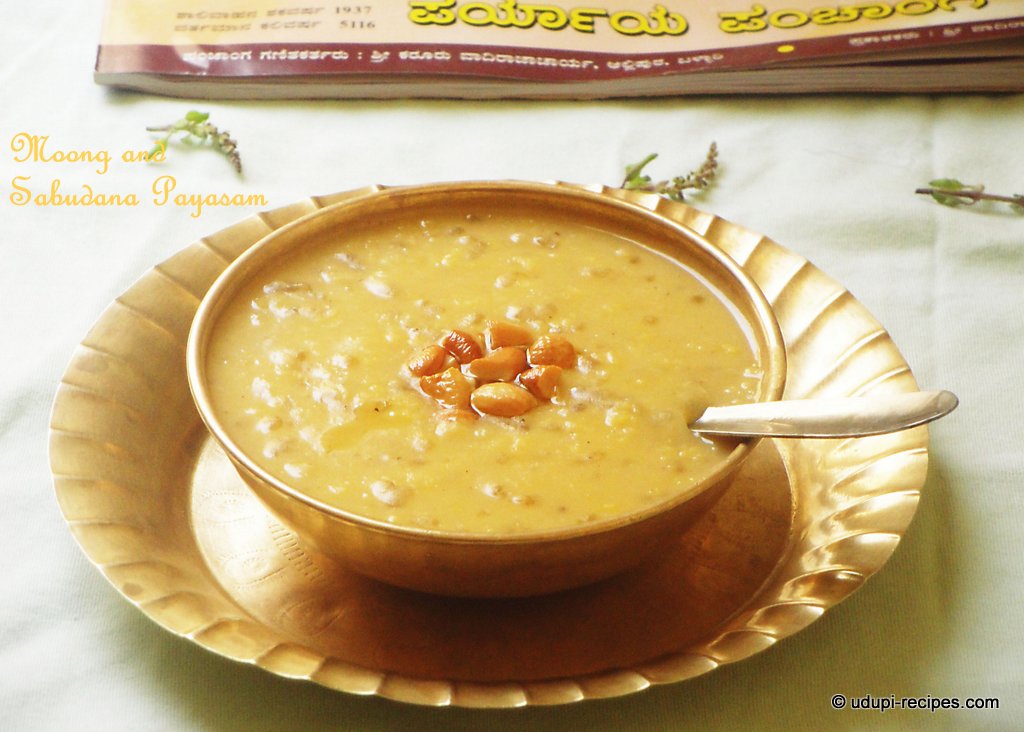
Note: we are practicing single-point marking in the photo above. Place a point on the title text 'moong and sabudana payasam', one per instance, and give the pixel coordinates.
(479, 373)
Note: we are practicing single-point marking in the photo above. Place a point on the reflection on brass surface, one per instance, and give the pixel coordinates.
(709, 572)
(156, 506)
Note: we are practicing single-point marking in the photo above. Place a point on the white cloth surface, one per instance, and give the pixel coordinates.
(832, 178)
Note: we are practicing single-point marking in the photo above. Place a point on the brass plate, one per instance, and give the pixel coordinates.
(155, 505)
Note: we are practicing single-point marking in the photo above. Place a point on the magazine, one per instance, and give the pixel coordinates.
(558, 49)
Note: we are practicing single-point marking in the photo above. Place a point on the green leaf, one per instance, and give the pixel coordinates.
(952, 184)
(195, 116)
(633, 171)
(948, 200)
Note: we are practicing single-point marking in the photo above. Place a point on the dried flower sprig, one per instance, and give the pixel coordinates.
(675, 189)
(951, 192)
(196, 125)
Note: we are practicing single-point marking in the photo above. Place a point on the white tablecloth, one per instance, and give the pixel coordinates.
(832, 178)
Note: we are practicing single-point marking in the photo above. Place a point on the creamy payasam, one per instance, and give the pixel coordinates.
(325, 370)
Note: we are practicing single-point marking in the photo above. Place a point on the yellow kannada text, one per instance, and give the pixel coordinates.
(514, 14)
(760, 18)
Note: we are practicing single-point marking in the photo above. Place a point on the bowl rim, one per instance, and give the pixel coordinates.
(772, 360)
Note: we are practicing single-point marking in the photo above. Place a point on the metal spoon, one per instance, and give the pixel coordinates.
(836, 417)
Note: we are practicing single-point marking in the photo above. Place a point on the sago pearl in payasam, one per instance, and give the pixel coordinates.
(376, 374)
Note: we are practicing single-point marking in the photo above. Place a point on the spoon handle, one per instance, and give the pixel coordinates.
(837, 417)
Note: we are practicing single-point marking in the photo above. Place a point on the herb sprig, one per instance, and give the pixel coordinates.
(674, 188)
(951, 192)
(196, 126)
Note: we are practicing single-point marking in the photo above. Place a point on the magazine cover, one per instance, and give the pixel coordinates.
(514, 40)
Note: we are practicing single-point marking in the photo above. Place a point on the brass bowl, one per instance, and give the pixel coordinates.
(478, 565)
